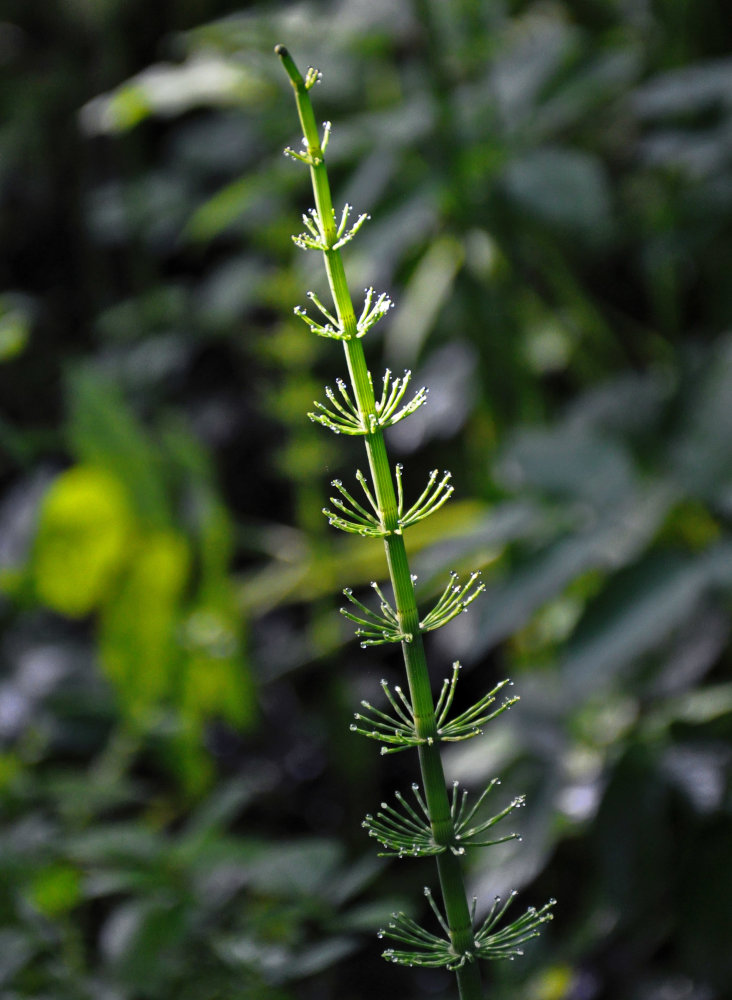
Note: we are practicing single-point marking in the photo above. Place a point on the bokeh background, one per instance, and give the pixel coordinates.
(551, 192)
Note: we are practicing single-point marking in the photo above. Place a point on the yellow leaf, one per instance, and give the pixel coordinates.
(82, 541)
(138, 636)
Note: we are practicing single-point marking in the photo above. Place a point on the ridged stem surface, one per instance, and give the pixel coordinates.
(457, 911)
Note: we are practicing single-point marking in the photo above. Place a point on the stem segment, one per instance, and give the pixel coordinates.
(452, 883)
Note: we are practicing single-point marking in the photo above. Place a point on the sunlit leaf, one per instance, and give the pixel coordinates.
(83, 540)
(166, 89)
(138, 641)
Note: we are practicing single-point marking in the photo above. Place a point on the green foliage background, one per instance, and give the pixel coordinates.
(551, 192)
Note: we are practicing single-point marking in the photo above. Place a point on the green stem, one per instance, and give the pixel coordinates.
(451, 878)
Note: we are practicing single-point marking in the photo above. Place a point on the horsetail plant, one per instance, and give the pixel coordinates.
(436, 823)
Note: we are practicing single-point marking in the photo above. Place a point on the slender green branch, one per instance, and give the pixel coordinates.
(439, 826)
(407, 615)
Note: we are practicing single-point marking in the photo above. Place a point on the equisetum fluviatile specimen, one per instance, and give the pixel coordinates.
(432, 821)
